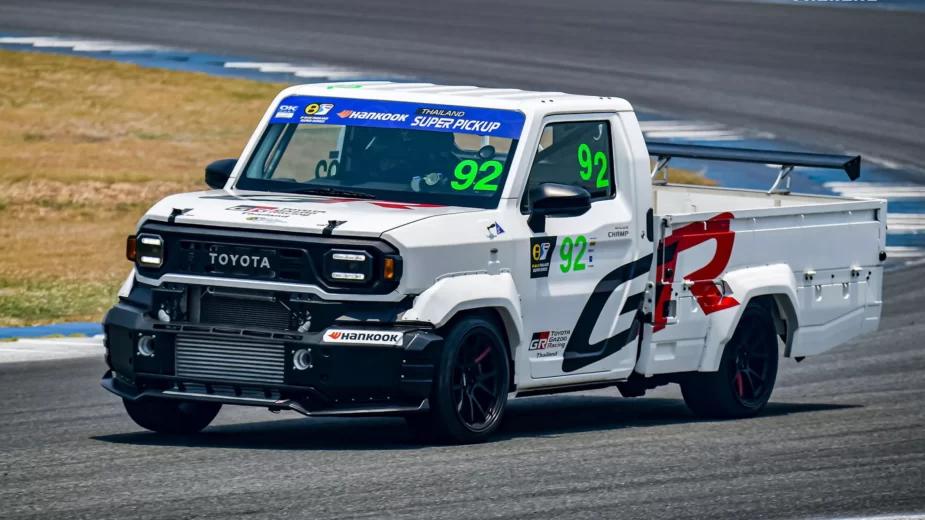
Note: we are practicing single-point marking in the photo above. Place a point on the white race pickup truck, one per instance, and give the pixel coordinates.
(432, 251)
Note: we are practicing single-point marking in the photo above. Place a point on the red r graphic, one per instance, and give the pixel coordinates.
(708, 295)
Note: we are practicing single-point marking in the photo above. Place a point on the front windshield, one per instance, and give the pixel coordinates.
(403, 152)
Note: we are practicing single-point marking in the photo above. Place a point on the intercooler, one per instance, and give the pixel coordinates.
(233, 359)
(243, 310)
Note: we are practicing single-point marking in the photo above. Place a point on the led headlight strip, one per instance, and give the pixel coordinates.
(345, 265)
(149, 250)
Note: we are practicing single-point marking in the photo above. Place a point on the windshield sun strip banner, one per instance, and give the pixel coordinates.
(396, 114)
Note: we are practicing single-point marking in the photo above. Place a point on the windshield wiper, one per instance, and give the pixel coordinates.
(333, 192)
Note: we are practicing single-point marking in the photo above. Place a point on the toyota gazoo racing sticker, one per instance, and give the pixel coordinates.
(395, 114)
(549, 343)
(302, 199)
(364, 337)
(273, 211)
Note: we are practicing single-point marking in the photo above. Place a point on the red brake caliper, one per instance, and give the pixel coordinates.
(739, 384)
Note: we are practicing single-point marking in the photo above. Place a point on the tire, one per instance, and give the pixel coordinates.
(469, 393)
(171, 416)
(747, 371)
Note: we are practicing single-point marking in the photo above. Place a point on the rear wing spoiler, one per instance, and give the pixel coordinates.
(787, 160)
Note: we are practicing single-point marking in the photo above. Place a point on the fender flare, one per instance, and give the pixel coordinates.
(775, 280)
(454, 294)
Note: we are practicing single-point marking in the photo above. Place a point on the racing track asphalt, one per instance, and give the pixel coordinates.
(851, 79)
(844, 435)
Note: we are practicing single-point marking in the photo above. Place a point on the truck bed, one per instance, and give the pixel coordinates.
(679, 200)
(828, 251)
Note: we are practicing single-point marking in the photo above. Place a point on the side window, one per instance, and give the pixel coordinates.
(578, 154)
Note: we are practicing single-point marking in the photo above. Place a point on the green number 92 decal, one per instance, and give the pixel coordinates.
(585, 161)
(571, 253)
(467, 171)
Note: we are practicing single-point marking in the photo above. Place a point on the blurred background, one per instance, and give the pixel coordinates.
(108, 105)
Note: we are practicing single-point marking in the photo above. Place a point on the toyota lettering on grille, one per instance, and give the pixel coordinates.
(238, 261)
(225, 259)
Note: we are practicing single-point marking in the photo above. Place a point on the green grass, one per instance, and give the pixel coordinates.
(23, 302)
(86, 146)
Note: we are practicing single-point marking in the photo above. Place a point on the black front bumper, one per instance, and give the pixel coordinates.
(342, 379)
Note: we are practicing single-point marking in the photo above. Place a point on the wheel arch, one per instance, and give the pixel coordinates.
(452, 298)
(772, 286)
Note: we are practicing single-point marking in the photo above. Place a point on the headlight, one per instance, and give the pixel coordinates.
(149, 250)
(350, 266)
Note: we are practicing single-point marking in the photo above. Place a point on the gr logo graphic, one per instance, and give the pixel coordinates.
(550, 339)
(541, 249)
(549, 343)
(364, 337)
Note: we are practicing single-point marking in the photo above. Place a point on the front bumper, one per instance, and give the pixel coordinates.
(257, 367)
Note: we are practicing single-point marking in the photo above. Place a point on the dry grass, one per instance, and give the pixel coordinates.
(86, 146)
(676, 176)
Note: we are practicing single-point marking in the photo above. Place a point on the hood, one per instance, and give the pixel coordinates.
(293, 213)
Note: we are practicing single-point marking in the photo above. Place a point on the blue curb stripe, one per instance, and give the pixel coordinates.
(64, 329)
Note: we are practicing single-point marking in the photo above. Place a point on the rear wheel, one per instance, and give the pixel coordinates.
(171, 416)
(470, 388)
(747, 372)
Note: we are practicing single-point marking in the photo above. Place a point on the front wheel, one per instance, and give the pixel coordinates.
(747, 372)
(171, 416)
(470, 387)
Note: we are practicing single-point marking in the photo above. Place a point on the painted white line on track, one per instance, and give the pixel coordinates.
(81, 45)
(250, 64)
(904, 252)
(117, 47)
(320, 72)
(905, 223)
(678, 126)
(45, 349)
(697, 131)
(876, 190)
(698, 135)
(302, 71)
(884, 517)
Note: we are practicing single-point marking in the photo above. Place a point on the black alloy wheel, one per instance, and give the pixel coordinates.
(476, 391)
(471, 382)
(752, 363)
(742, 385)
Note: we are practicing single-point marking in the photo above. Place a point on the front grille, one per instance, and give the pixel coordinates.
(236, 359)
(268, 313)
(260, 256)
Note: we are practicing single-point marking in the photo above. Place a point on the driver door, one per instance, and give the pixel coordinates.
(579, 320)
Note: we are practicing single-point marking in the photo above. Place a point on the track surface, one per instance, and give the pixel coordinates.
(842, 77)
(844, 435)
